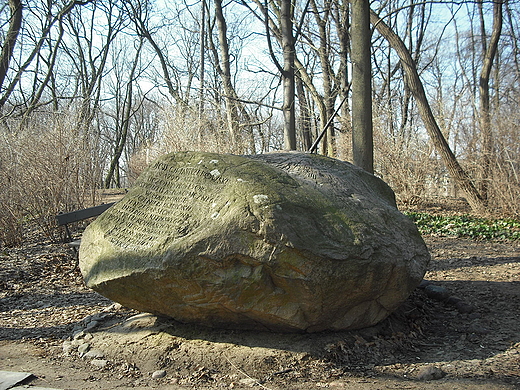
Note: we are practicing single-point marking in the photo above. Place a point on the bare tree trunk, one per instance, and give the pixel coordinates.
(92, 76)
(37, 47)
(362, 133)
(416, 54)
(139, 14)
(489, 52)
(236, 111)
(417, 89)
(305, 115)
(202, 56)
(284, 35)
(286, 30)
(49, 76)
(225, 73)
(10, 39)
(341, 17)
(125, 124)
(327, 73)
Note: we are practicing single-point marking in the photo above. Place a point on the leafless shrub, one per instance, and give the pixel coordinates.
(410, 166)
(504, 191)
(503, 182)
(407, 162)
(11, 218)
(47, 168)
(185, 131)
(182, 132)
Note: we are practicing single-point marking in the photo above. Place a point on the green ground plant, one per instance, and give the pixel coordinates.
(466, 226)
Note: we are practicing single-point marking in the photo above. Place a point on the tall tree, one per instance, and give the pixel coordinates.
(39, 40)
(202, 55)
(330, 91)
(362, 133)
(123, 123)
(139, 13)
(417, 89)
(239, 121)
(340, 15)
(90, 56)
(224, 69)
(289, 86)
(15, 23)
(489, 52)
(54, 48)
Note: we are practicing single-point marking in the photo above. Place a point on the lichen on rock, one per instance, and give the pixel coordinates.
(281, 242)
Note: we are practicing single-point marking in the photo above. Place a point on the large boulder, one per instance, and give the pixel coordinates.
(282, 242)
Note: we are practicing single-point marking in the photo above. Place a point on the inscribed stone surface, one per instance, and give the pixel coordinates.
(282, 241)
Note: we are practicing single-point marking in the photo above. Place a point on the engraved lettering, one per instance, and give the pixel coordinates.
(170, 202)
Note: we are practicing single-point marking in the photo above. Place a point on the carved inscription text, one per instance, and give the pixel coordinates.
(172, 201)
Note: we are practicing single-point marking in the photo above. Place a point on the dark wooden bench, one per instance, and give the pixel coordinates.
(64, 219)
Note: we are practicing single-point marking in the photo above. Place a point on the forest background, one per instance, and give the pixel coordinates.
(92, 91)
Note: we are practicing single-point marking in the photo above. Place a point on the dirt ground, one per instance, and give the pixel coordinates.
(460, 332)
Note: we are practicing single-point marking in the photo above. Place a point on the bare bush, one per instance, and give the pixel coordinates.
(47, 168)
(505, 188)
(415, 173)
(504, 196)
(184, 131)
(11, 216)
(407, 162)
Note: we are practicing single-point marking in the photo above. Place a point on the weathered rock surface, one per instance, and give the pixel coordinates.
(282, 241)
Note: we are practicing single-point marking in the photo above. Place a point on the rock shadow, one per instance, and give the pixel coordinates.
(422, 332)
